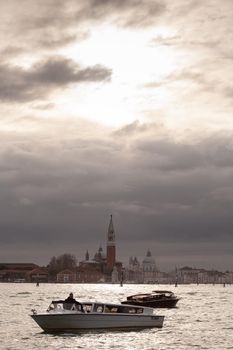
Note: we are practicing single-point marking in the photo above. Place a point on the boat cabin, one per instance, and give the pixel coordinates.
(99, 308)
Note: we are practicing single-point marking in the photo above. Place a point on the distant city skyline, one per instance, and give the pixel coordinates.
(160, 252)
(163, 262)
(123, 108)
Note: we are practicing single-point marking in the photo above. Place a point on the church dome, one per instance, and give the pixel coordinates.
(148, 264)
(149, 259)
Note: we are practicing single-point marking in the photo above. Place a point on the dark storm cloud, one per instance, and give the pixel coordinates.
(18, 84)
(159, 190)
(179, 187)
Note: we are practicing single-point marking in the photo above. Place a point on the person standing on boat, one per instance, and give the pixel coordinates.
(71, 300)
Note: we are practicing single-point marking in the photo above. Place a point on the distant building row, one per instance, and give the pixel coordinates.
(147, 272)
(134, 273)
(188, 275)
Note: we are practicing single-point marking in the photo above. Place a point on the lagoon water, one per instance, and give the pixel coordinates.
(203, 318)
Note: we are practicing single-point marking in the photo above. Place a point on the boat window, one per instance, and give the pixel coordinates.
(87, 307)
(124, 310)
(111, 309)
(132, 311)
(58, 305)
(139, 311)
(106, 309)
(129, 310)
(114, 309)
(98, 308)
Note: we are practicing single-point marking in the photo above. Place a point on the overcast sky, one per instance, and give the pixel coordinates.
(119, 107)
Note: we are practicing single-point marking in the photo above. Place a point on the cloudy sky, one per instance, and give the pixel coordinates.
(119, 107)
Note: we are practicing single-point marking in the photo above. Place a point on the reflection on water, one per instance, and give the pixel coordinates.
(202, 320)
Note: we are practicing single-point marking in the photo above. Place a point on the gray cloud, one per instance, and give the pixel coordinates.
(199, 83)
(10, 52)
(19, 84)
(57, 40)
(130, 13)
(159, 191)
(52, 24)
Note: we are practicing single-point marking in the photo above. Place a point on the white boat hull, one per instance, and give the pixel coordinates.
(77, 321)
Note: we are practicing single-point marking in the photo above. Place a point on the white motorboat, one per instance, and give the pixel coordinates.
(61, 317)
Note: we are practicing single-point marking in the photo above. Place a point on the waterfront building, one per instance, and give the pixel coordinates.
(187, 275)
(66, 276)
(39, 275)
(229, 277)
(15, 272)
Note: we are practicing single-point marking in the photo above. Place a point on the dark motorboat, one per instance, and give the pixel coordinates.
(155, 299)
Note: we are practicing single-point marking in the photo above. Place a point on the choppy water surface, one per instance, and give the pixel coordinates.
(203, 318)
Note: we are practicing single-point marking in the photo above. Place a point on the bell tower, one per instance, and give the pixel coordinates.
(111, 247)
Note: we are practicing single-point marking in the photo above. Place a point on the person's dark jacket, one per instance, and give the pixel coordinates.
(73, 301)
